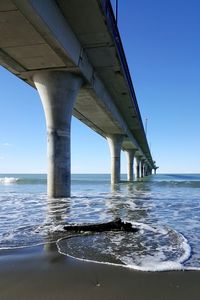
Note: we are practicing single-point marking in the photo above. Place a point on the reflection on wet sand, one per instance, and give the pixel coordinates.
(57, 210)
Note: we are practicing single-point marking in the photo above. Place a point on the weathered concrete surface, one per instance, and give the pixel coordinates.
(137, 166)
(130, 164)
(58, 91)
(115, 144)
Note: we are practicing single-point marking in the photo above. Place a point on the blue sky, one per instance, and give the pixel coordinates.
(162, 45)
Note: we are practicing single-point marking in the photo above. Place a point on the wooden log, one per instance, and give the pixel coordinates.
(115, 225)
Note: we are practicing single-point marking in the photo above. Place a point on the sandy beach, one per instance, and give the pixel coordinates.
(42, 273)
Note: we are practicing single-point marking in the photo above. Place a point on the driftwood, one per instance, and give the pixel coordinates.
(116, 225)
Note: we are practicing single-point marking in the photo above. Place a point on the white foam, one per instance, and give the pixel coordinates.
(117, 239)
(8, 180)
(153, 265)
(49, 228)
(157, 263)
(187, 249)
(149, 267)
(148, 227)
(148, 263)
(8, 237)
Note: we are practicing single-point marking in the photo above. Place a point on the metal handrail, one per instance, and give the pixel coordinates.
(112, 24)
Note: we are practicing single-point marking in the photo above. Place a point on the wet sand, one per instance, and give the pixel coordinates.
(42, 273)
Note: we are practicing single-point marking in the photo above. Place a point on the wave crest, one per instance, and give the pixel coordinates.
(176, 183)
(8, 180)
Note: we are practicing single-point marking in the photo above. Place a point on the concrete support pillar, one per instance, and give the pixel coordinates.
(149, 170)
(141, 169)
(130, 158)
(58, 91)
(145, 169)
(137, 167)
(115, 144)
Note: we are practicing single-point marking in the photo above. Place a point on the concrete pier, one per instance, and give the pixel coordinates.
(115, 144)
(141, 168)
(58, 91)
(148, 170)
(130, 163)
(145, 169)
(54, 54)
(137, 167)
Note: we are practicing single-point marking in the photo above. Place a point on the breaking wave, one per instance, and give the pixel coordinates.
(9, 180)
(21, 180)
(174, 183)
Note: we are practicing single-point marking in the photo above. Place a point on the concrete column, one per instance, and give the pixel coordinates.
(130, 157)
(137, 167)
(142, 168)
(145, 168)
(115, 144)
(149, 170)
(58, 91)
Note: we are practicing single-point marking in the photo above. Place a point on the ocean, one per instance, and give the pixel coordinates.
(165, 209)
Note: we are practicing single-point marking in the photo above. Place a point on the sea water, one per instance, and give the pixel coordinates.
(165, 209)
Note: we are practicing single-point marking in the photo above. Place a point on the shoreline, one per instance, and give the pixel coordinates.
(41, 272)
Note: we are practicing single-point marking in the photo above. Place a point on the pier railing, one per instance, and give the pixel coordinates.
(112, 25)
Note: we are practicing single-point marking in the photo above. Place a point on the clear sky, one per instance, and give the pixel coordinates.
(162, 45)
